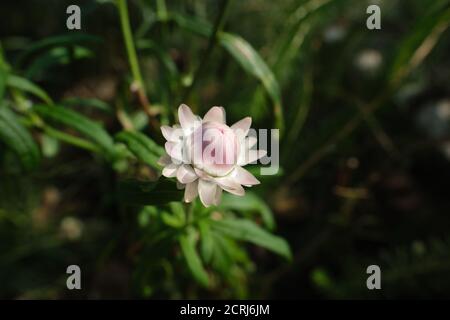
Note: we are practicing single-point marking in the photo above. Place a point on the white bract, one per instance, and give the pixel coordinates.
(206, 155)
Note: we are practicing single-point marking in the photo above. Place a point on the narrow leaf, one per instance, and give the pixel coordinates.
(142, 147)
(79, 122)
(18, 139)
(187, 245)
(247, 230)
(29, 87)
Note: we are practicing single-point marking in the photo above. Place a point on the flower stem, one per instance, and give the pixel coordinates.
(138, 84)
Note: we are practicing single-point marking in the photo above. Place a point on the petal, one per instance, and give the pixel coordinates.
(173, 149)
(250, 156)
(242, 126)
(164, 160)
(230, 185)
(167, 132)
(215, 114)
(218, 196)
(250, 142)
(242, 176)
(185, 174)
(170, 171)
(191, 191)
(186, 117)
(207, 192)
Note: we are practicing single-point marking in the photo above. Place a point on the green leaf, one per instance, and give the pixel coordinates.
(87, 102)
(79, 122)
(144, 148)
(18, 139)
(247, 230)
(69, 39)
(187, 245)
(252, 62)
(3, 80)
(28, 86)
(206, 240)
(430, 27)
(250, 202)
(138, 193)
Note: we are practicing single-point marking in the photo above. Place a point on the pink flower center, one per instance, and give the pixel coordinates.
(215, 148)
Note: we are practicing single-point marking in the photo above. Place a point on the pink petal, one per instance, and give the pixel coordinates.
(215, 114)
(186, 117)
(170, 171)
(242, 126)
(186, 174)
(191, 191)
(244, 177)
(207, 192)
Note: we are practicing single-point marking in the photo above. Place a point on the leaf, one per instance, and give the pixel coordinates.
(187, 245)
(206, 240)
(56, 41)
(421, 41)
(142, 147)
(3, 80)
(250, 202)
(79, 122)
(87, 102)
(252, 62)
(28, 86)
(247, 230)
(18, 139)
(244, 54)
(135, 192)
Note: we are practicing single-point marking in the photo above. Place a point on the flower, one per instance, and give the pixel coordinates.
(206, 155)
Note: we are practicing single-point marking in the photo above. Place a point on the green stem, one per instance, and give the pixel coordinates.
(138, 83)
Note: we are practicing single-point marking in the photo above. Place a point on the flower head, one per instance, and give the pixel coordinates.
(206, 155)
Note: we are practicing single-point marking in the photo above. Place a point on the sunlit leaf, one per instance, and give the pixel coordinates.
(29, 87)
(142, 147)
(79, 122)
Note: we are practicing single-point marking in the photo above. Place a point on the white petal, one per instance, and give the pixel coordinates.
(191, 191)
(218, 196)
(250, 156)
(170, 171)
(167, 132)
(216, 114)
(242, 126)
(250, 142)
(164, 160)
(242, 176)
(186, 174)
(207, 192)
(173, 149)
(186, 117)
(230, 185)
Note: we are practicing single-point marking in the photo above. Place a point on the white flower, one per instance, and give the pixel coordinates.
(206, 156)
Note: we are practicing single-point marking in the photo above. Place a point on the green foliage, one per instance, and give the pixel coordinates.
(18, 139)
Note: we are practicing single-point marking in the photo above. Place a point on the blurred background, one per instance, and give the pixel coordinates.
(364, 149)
